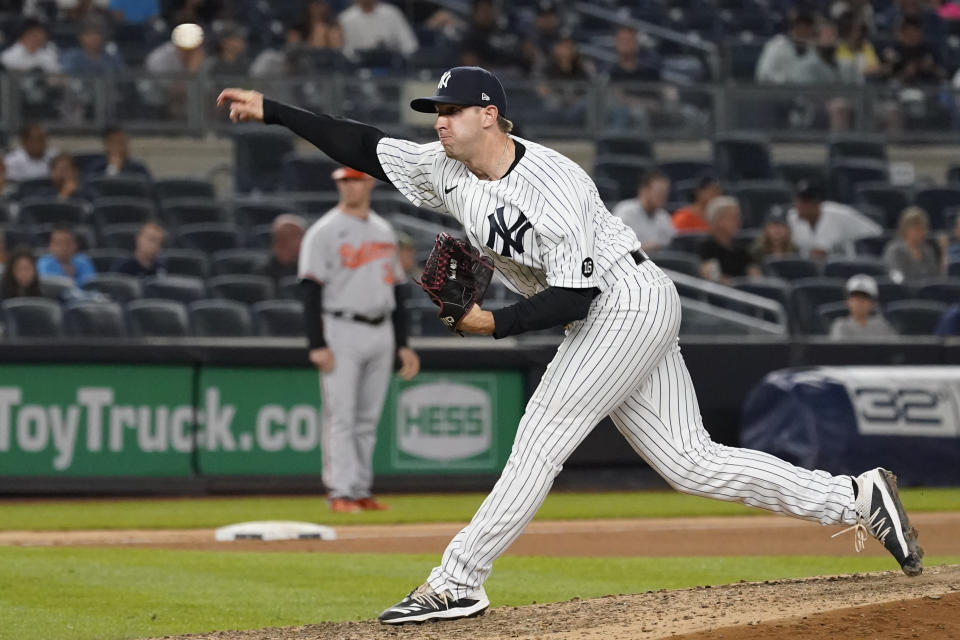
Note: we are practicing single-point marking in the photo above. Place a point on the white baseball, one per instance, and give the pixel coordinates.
(187, 35)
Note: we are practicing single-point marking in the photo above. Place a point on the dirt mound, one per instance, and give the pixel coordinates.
(667, 613)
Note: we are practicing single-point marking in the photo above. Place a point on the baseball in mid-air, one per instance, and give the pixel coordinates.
(187, 35)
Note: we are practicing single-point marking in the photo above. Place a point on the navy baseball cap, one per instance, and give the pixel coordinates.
(466, 86)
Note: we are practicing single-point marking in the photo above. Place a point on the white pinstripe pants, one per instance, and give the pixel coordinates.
(624, 361)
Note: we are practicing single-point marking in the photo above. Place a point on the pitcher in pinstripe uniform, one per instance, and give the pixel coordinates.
(540, 218)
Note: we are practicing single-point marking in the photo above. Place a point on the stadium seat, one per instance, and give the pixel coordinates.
(39, 211)
(56, 287)
(845, 175)
(119, 236)
(187, 262)
(220, 319)
(258, 154)
(946, 290)
(180, 288)
(123, 186)
(938, 202)
(680, 261)
(757, 197)
(681, 170)
(843, 268)
(32, 318)
(184, 211)
(280, 318)
(827, 313)
(915, 317)
(743, 156)
(88, 319)
(232, 261)
(288, 288)
(155, 318)
(36, 188)
(116, 286)
(775, 289)
(791, 268)
(104, 259)
(618, 177)
(624, 144)
(260, 237)
(86, 159)
(84, 233)
(308, 173)
(873, 246)
(314, 204)
(171, 188)
(242, 288)
(953, 269)
(794, 172)
(953, 174)
(108, 211)
(886, 197)
(890, 291)
(209, 237)
(806, 295)
(253, 214)
(846, 146)
(688, 242)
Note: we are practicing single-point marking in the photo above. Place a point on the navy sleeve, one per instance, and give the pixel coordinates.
(313, 313)
(552, 307)
(347, 141)
(398, 317)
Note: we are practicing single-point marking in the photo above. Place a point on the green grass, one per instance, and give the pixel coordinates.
(79, 593)
(214, 512)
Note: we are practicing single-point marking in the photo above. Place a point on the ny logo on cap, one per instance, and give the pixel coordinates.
(484, 96)
(444, 79)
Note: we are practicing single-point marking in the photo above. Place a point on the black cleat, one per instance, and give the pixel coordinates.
(423, 604)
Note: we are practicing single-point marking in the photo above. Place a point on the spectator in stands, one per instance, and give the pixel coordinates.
(32, 158)
(633, 107)
(63, 258)
(951, 243)
(854, 47)
(80, 10)
(281, 61)
(821, 228)
(65, 177)
(693, 216)
(911, 61)
(543, 34)
(562, 102)
(371, 25)
(407, 256)
(774, 240)
(20, 275)
(862, 322)
(91, 58)
(146, 259)
(860, 11)
(285, 248)
(645, 213)
(320, 28)
(231, 58)
(783, 52)
(116, 158)
(720, 258)
(910, 256)
(135, 11)
(169, 59)
(32, 51)
(487, 43)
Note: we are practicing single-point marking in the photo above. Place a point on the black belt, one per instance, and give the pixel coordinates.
(639, 256)
(356, 317)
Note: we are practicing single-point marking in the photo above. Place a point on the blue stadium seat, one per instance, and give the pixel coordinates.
(119, 236)
(827, 313)
(116, 286)
(794, 172)
(104, 259)
(36, 188)
(122, 186)
(258, 154)
(38, 211)
(308, 173)
(180, 288)
(688, 242)
(209, 237)
(279, 318)
(680, 261)
(32, 318)
(806, 295)
(220, 319)
(231, 261)
(757, 197)
(288, 288)
(776, 289)
(888, 198)
(618, 177)
(185, 211)
(890, 291)
(108, 211)
(915, 317)
(625, 144)
(170, 188)
(742, 156)
(937, 202)
(89, 319)
(187, 262)
(56, 287)
(845, 268)
(791, 268)
(846, 146)
(254, 214)
(845, 175)
(873, 246)
(946, 290)
(155, 318)
(682, 170)
(245, 288)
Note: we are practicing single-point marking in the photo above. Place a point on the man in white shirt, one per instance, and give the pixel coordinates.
(32, 158)
(645, 213)
(822, 229)
(371, 24)
(32, 51)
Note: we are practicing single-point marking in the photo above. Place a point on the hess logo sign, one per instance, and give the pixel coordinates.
(443, 421)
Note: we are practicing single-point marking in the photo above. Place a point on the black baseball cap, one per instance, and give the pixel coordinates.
(810, 190)
(466, 86)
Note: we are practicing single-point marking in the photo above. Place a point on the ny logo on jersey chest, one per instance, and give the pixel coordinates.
(510, 236)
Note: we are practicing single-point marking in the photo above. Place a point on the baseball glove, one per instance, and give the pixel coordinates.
(456, 277)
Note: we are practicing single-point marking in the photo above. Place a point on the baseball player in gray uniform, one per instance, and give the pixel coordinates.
(349, 271)
(539, 217)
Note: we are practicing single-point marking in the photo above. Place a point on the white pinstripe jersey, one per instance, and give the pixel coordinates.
(543, 224)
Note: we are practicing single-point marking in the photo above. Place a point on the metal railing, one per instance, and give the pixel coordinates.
(185, 106)
(725, 310)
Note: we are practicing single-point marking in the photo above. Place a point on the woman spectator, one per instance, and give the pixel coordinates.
(692, 217)
(20, 276)
(320, 28)
(910, 256)
(854, 47)
(65, 177)
(775, 240)
(564, 102)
